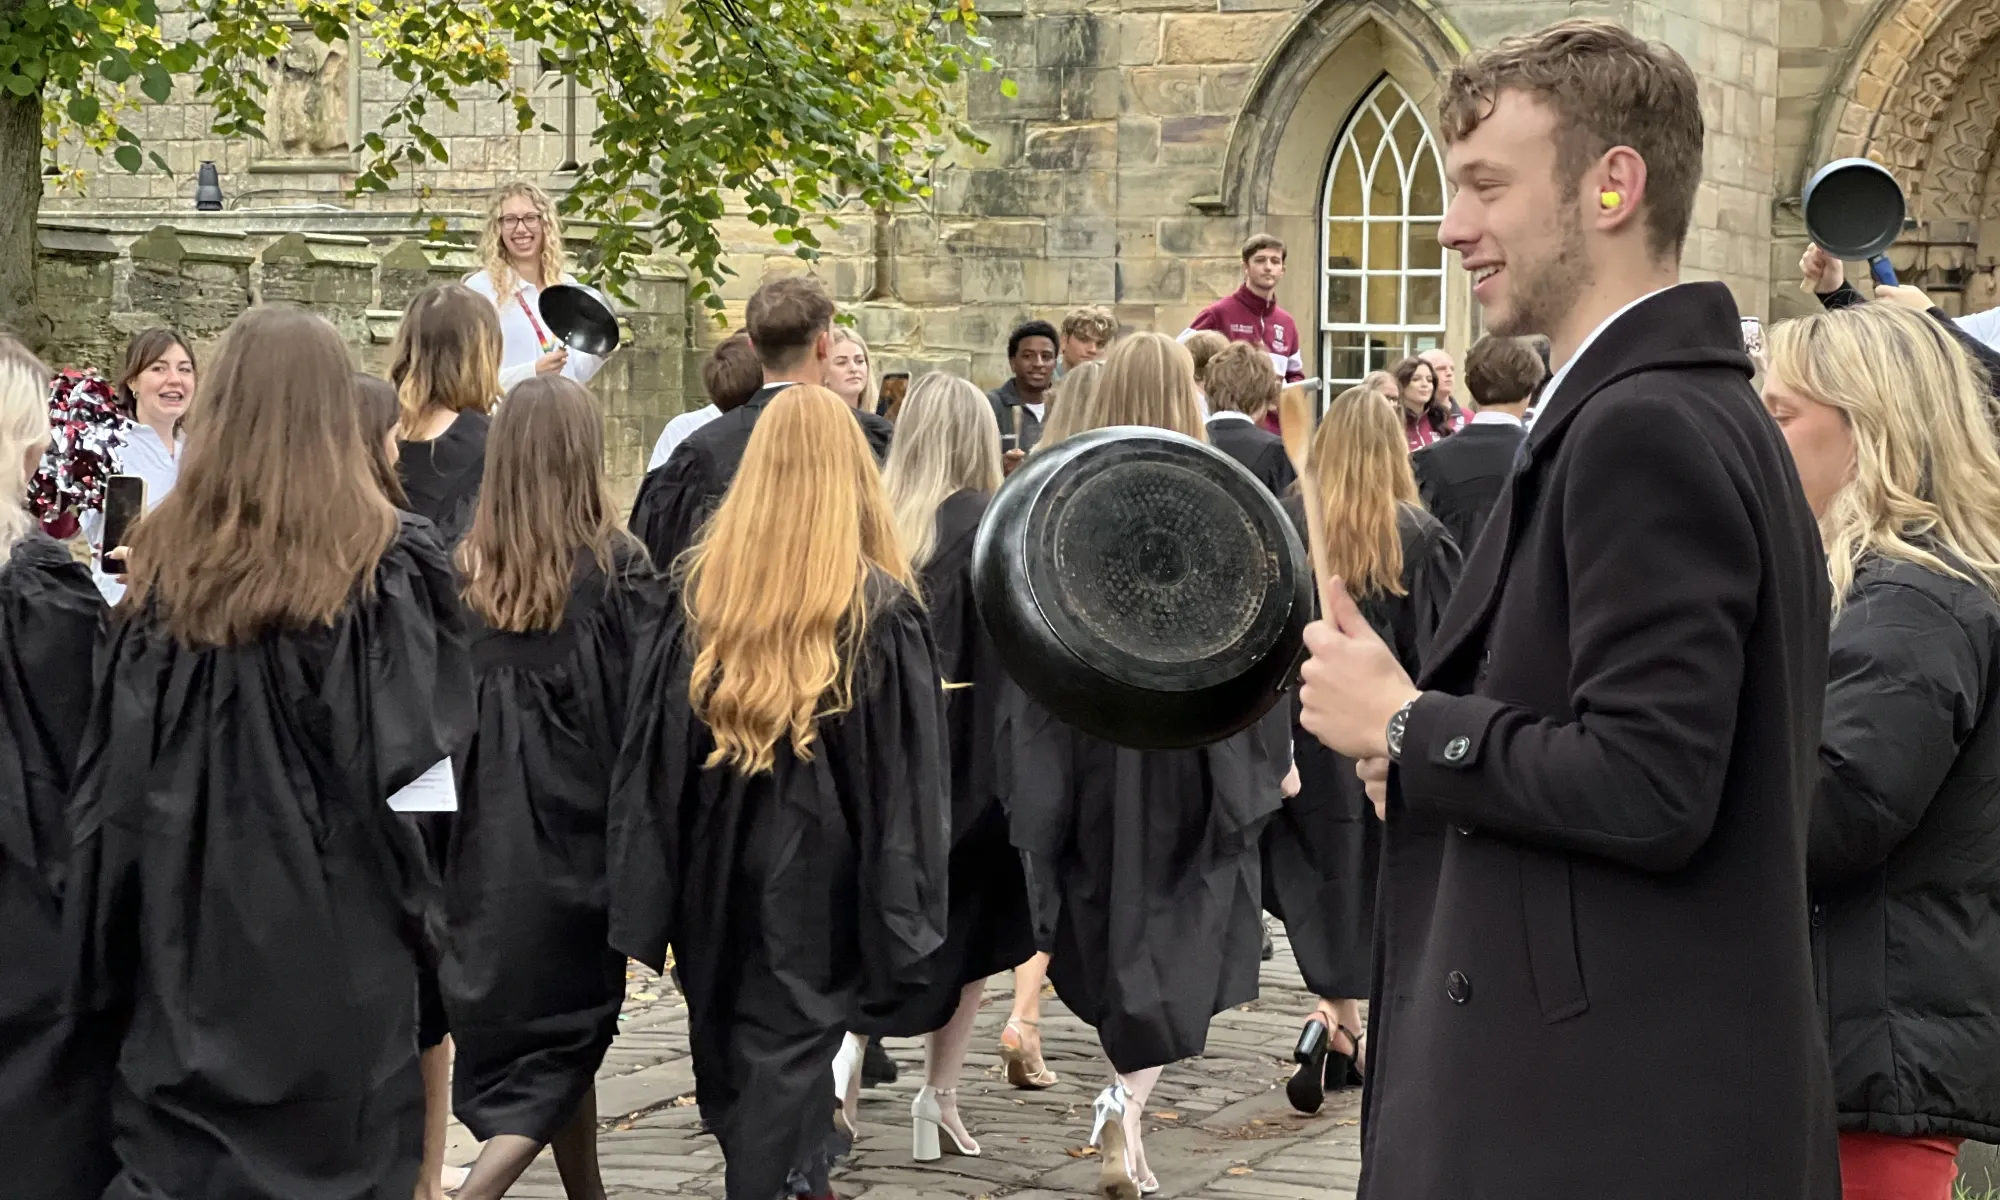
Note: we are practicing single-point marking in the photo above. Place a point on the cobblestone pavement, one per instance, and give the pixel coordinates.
(1217, 1127)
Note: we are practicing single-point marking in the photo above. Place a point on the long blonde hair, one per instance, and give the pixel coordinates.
(1070, 401)
(1360, 462)
(542, 502)
(276, 519)
(493, 248)
(946, 441)
(446, 355)
(777, 585)
(871, 392)
(24, 424)
(1926, 470)
(1148, 380)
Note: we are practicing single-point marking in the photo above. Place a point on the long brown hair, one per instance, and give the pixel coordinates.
(1361, 464)
(141, 352)
(541, 503)
(447, 354)
(276, 518)
(777, 586)
(381, 414)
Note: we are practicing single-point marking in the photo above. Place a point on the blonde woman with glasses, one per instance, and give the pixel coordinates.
(521, 253)
(1144, 861)
(1890, 425)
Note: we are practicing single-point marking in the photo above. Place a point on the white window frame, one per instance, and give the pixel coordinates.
(1387, 102)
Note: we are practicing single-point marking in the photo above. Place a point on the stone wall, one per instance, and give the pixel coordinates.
(103, 282)
(1148, 137)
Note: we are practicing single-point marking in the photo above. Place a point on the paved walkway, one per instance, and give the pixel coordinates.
(1217, 1127)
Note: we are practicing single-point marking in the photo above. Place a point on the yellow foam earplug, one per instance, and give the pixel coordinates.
(1609, 199)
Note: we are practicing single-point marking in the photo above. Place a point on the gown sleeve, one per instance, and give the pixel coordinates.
(654, 769)
(891, 748)
(51, 616)
(673, 502)
(1436, 577)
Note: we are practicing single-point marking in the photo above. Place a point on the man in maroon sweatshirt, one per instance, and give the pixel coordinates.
(1251, 312)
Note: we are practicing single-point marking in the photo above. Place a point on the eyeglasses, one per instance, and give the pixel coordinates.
(509, 224)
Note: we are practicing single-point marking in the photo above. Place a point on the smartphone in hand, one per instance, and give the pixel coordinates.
(124, 504)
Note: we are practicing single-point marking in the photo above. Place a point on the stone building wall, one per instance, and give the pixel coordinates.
(1149, 137)
(103, 282)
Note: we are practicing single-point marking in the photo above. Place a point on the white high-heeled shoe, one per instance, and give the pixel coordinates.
(927, 1118)
(846, 1081)
(1115, 1179)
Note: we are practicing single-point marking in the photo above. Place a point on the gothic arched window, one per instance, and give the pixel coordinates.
(1382, 287)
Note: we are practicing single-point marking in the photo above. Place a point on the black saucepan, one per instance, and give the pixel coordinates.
(1143, 587)
(579, 319)
(1854, 209)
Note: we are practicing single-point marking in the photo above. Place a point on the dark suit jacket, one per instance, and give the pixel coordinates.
(1012, 414)
(679, 494)
(1260, 451)
(1461, 476)
(1598, 826)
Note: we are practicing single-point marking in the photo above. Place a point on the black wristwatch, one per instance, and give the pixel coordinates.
(1397, 724)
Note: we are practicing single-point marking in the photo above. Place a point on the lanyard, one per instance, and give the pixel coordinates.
(541, 337)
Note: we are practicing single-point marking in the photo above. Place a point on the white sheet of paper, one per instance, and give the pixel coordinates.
(433, 791)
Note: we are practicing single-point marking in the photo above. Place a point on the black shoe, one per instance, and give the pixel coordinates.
(1307, 1087)
(1270, 948)
(876, 1065)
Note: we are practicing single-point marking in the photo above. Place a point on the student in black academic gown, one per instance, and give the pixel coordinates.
(1321, 853)
(943, 468)
(245, 912)
(1149, 856)
(1461, 477)
(559, 595)
(446, 370)
(51, 1097)
(1241, 387)
(781, 806)
(790, 322)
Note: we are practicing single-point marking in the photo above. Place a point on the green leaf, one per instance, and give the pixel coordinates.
(1010, 89)
(129, 158)
(84, 109)
(159, 162)
(20, 85)
(116, 67)
(156, 83)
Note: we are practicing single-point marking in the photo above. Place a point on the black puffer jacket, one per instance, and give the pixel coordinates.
(1904, 855)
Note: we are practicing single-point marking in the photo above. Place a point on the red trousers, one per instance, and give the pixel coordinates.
(1875, 1166)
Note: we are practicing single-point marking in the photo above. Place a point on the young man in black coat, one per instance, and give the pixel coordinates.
(1241, 388)
(1593, 975)
(1461, 476)
(790, 323)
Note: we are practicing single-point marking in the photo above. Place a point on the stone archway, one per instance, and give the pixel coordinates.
(1921, 96)
(1283, 138)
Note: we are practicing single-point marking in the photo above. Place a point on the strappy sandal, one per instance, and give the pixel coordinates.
(1025, 1068)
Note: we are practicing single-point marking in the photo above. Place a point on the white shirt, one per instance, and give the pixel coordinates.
(1482, 417)
(677, 431)
(1230, 414)
(146, 456)
(520, 343)
(1985, 326)
(1562, 372)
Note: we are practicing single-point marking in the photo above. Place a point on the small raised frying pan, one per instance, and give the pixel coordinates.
(1854, 210)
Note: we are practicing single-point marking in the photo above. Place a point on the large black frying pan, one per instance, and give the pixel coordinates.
(579, 319)
(1143, 587)
(1854, 209)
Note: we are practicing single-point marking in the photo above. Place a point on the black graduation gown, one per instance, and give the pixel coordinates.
(530, 984)
(793, 899)
(1322, 854)
(990, 929)
(441, 477)
(1144, 873)
(245, 912)
(53, 1136)
(676, 497)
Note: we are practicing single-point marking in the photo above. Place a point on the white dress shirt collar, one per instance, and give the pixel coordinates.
(1562, 373)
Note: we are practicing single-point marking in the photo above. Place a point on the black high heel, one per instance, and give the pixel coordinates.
(1315, 1055)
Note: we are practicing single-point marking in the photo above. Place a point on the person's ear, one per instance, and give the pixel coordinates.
(823, 345)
